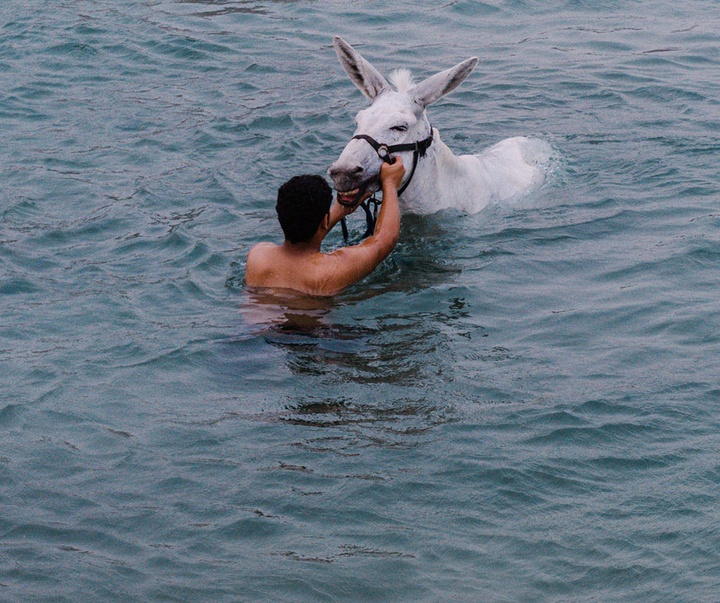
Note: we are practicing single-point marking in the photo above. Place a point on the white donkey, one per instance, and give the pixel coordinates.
(435, 178)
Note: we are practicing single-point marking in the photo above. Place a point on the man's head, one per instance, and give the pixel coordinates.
(302, 203)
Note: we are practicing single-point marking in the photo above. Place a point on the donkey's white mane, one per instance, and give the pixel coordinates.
(402, 79)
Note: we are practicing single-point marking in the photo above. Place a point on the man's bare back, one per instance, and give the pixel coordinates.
(303, 267)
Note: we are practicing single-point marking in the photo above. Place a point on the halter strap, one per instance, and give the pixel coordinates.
(383, 150)
(419, 148)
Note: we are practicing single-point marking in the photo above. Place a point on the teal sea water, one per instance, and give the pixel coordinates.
(519, 405)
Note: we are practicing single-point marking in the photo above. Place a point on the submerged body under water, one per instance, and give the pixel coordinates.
(519, 404)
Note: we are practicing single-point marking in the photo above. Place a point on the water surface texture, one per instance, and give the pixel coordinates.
(518, 405)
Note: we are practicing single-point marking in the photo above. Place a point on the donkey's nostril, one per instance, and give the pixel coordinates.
(358, 169)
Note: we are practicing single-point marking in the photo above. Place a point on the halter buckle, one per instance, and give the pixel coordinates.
(384, 153)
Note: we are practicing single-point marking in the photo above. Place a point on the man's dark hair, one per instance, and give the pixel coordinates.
(302, 203)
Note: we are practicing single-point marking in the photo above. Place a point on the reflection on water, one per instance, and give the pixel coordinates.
(350, 424)
(396, 348)
(393, 414)
(285, 310)
(376, 380)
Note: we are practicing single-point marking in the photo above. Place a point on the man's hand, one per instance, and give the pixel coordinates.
(392, 173)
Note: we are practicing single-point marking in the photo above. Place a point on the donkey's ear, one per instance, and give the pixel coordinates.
(362, 73)
(431, 89)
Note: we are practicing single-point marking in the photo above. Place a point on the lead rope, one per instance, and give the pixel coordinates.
(370, 215)
(370, 218)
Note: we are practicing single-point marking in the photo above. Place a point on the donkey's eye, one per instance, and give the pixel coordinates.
(400, 128)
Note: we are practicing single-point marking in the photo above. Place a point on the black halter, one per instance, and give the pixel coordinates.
(385, 151)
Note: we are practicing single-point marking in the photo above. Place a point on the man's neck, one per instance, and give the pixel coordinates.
(304, 248)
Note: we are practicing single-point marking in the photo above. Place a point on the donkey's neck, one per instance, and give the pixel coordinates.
(439, 181)
(508, 169)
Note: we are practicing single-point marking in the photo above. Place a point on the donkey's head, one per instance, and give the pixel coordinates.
(395, 117)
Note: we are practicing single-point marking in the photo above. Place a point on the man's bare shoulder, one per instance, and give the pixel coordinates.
(263, 246)
(258, 265)
(262, 251)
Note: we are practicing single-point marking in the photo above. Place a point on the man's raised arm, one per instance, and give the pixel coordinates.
(356, 262)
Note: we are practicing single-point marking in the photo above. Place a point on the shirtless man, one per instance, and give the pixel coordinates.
(307, 214)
